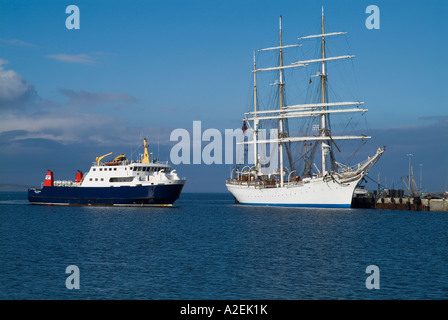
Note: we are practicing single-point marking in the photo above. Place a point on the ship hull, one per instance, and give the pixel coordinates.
(151, 195)
(316, 194)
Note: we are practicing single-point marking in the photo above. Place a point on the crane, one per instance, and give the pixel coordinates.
(412, 187)
(98, 159)
(409, 191)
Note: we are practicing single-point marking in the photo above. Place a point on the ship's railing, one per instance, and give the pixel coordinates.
(65, 183)
(62, 183)
(128, 162)
(271, 182)
(363, 165)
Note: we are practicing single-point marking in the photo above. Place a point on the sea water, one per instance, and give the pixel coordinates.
(208, 247)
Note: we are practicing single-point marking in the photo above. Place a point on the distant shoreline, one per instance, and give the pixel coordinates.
(14, 187)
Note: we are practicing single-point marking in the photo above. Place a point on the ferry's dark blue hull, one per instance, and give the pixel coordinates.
(104, 196)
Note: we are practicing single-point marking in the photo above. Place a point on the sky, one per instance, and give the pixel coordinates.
(138, 69)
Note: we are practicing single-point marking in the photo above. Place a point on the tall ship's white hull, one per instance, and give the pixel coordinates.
(315, 193)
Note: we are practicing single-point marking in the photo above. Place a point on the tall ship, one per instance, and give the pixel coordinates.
(301, 169)
(145, 182)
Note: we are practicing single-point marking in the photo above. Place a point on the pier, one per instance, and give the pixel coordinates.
(396, 200)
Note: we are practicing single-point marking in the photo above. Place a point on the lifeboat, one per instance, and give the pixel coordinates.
(117, 161)
(112, 163)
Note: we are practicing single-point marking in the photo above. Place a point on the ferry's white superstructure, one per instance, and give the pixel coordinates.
(329, 185)
(130, 174)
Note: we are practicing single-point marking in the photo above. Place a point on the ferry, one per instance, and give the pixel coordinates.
(114, 183)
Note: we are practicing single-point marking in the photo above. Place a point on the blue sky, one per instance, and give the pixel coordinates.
(144, 68)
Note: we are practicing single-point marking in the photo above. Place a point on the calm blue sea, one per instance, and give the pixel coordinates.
(206, 247)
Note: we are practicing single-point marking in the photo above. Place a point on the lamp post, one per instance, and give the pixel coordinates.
(409, 177)
(421, 166)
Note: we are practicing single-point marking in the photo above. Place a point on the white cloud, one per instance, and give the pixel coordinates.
(91, 99)
(14, 90)
(81, 58)
(16, 42)
(64, 127)
(72, 127)
(70, 122)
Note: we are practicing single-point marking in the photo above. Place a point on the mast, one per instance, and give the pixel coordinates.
(145, 158)
(280, 92)
(319, 110)
(284, 112)
(255, 133)
(323, 77)
(280, 83)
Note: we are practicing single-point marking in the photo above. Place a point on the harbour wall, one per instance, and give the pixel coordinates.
(402, 203)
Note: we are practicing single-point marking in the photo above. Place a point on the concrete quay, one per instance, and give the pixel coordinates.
(401, 203)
